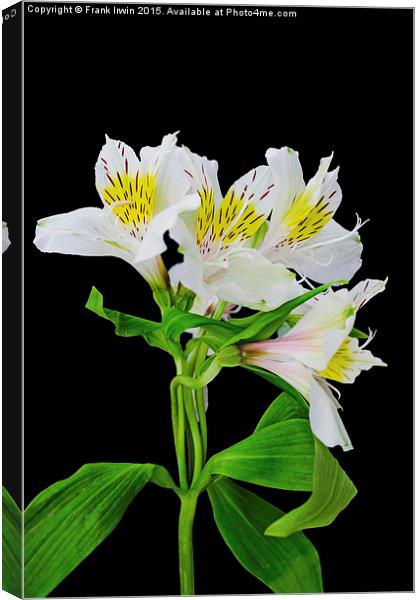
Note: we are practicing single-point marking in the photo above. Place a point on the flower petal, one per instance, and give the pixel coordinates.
(304, 214)
(251, 280)
(255, 187)
(288, 177)
(334, 253)
(152, 156)
(242, 211)
(166, 162)
(365, 290)
(153, 243)
(349, 361)
(325, 420)
(183, 232)
(78, 232)
(320, 332)
(293, 372)
(126, 189)
(324, 184)
(202, 175)
(190, 273)
(5, 236)
(116, 167)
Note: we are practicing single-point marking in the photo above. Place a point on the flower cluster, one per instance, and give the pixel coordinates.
(259, 245)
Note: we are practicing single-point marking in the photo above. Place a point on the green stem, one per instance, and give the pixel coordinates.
(219, 310)
(195, 432)
(185, 543)
(200, 358)
(178, 426)
(190, 454)
(199, 398)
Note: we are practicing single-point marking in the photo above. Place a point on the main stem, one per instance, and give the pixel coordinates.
(185, 541)
(184, 414)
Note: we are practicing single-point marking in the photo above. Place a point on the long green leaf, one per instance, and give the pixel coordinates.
(261, 326)
(280, 456)
(127, 325)
(283, 408)
(332, 489)
(66, 521)
(285, 565)
(176, 321)
(12, 546)
(332, 492)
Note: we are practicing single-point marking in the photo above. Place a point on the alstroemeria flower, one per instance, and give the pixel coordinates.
(5, 236)
(215, 240)
(141, 201)
(351, 358)
(302, 233)
(305, 349)
(319, 347)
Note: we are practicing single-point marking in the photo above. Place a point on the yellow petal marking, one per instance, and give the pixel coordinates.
(205, 214)
(303, 220)
(137, 197)
(340, 368)
(228, 224)
(234, 220)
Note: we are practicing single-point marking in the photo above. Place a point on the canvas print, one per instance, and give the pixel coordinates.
(206, 243)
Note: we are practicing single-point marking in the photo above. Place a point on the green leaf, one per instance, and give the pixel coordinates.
(261, 326)
(12, 546)
(278, 382)
(332, 492)
(279, 456)
(162, 478)
(66, 521)
(285, 565)
(283, 408)
(127, 325)
(176, 321)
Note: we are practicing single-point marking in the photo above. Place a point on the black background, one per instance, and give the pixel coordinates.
(330, 79)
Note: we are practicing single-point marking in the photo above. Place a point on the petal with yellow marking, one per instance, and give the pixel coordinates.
(349, 361)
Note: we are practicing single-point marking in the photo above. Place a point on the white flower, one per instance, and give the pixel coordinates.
(319, 347)
(350, 358)
(5, 236)
(216, 240)
(141, 201)
(302, 233)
